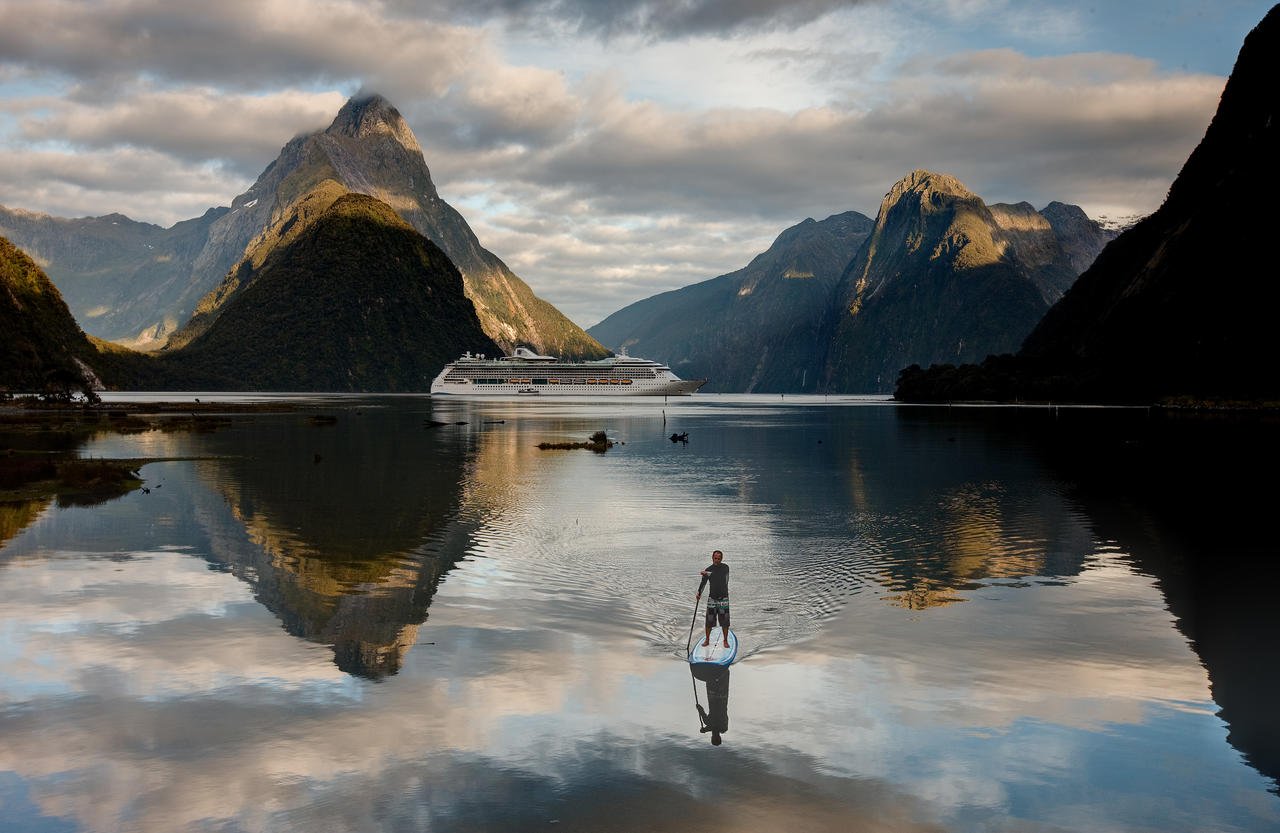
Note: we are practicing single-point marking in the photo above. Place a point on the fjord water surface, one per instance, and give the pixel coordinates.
(411, 618)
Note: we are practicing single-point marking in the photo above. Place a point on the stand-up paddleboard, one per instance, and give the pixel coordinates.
(715, 653)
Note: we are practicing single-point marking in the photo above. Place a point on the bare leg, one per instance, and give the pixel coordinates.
(707, 641)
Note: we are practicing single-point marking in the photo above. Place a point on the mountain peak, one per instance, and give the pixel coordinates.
(369, 115)
(927, 184)
(1064, 210)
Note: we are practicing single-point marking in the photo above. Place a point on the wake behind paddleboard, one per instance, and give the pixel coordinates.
(715, 653)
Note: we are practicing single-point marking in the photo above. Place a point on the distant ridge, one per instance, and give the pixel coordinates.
(843, 304)
(759, 329)
(123, 280)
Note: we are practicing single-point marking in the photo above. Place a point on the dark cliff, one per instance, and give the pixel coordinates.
(1181, 304)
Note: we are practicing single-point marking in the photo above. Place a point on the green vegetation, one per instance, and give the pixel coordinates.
(355, 300)
(41, 344)
(303, 212)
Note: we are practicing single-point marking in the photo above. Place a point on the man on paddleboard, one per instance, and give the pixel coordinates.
(717, 575)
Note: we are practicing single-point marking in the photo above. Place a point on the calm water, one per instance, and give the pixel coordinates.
(950, 620)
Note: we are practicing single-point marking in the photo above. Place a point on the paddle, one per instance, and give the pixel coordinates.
(689, 642)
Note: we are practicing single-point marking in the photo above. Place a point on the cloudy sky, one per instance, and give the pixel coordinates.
(611, 149)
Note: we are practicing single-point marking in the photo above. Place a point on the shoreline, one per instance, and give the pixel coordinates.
(40, 441)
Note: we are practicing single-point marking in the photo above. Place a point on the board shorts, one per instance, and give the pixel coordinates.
(718, 609)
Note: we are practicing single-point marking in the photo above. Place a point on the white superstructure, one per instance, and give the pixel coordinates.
(525, 372)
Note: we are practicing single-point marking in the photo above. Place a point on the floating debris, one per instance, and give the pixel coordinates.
(598, 442)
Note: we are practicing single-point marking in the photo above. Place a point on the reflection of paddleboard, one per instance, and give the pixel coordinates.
(715, 653)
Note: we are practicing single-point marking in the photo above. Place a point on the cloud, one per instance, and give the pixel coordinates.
(1106, 131)
(77, 184)
(601, 170)
(194, 124)
(651, 18)
(967, 115)
(496, 106)
(242, 44)
(1041, 21)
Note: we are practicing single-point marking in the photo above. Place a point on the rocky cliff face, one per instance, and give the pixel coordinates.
(1081, 237)
(1030, 241)
(759, 329)
(940, 279)
(1184, 302)
(369, 149)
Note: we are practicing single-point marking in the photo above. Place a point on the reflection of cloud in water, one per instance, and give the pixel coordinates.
(1059, 660)
(320, 768)
(960, 711)
(551, 692)
(534, 732)
(158, 624)
(226, 740)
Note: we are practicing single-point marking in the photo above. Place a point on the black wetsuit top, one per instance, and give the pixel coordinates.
(718, 575)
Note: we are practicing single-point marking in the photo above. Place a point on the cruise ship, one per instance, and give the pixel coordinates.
(526, 373)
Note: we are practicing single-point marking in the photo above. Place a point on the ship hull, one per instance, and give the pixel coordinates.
(680, 387)
(527, 374)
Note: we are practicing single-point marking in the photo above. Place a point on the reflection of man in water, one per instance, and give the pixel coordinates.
(715, 718)
(718, 599)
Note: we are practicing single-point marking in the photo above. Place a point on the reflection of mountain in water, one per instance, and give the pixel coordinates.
(1172, 494)
(350, 525)
(997, 521)
(883, 483)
